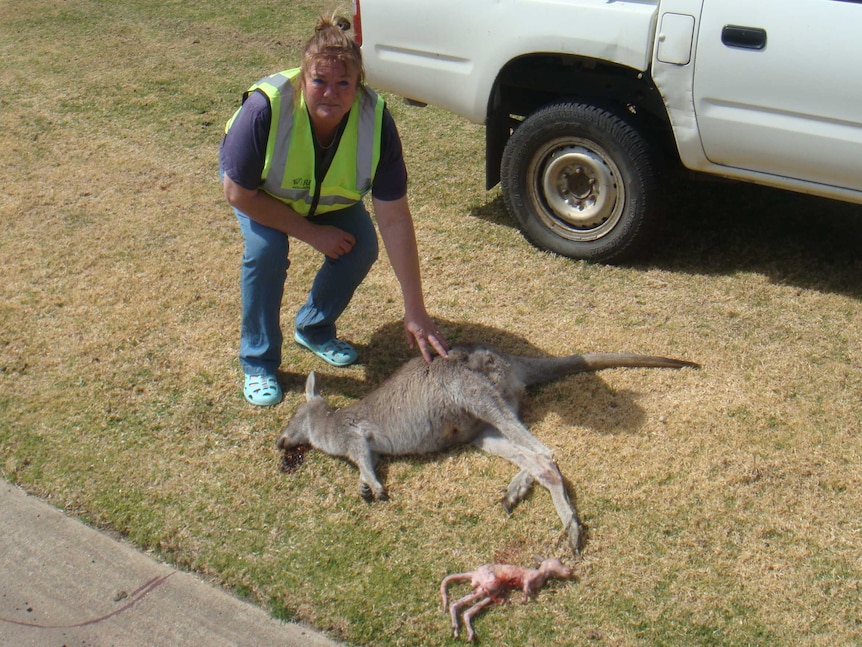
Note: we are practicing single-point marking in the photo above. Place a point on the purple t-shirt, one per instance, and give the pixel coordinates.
(243, 150)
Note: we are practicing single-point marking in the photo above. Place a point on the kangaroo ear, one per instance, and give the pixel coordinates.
(311, 387)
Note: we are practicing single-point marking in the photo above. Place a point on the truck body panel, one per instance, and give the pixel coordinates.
(783, 110)
(434, 56)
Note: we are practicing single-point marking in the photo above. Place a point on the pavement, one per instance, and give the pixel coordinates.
(62, 583)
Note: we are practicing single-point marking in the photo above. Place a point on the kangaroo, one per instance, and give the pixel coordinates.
(471, 396)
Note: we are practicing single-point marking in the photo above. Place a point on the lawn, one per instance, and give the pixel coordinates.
(724, 505)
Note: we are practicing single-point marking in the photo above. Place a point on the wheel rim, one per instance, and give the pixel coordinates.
(577, 189)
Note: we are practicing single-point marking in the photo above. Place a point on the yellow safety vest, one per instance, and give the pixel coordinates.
(288, 172)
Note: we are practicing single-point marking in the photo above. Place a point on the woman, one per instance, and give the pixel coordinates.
(296, 159)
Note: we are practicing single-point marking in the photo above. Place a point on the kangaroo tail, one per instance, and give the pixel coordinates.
(535, 370)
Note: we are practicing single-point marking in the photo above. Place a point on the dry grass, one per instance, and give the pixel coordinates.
(723, 505)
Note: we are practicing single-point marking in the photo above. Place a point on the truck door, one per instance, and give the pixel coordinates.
(777, 88)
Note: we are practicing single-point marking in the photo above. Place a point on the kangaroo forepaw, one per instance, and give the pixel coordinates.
(372, 494)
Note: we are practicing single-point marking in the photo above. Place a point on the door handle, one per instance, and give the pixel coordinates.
(743, 37)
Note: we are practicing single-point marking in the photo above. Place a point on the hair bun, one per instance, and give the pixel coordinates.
(339, 22)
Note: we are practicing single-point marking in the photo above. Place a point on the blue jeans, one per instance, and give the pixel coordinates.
(264, 269)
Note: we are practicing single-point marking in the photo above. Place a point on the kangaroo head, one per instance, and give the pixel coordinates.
(306, 419)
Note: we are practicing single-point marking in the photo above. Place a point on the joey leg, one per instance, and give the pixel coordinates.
(459, 604)
(471, 612)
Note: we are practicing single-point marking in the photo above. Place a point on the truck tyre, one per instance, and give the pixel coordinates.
(580, 182)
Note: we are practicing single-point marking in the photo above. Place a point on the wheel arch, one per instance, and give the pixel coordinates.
(529, 82)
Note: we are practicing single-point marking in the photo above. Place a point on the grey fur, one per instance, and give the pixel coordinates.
(472, 396)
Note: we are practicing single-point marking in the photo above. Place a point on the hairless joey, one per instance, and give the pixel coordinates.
(491, 582)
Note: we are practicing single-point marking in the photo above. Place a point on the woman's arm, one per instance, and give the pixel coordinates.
(266, 210)
(399, 238)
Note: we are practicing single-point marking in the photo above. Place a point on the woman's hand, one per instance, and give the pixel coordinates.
(268, 211)
(331, 241)
(422, 332)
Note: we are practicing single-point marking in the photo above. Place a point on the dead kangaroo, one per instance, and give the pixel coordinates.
(472, 396)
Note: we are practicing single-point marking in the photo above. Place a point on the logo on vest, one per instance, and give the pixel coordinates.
(301, 183)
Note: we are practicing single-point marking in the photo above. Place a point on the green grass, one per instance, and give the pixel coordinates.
(723, 505)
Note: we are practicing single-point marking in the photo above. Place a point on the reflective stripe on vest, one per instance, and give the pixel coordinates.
(288, 172)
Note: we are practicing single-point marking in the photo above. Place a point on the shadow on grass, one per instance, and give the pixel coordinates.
(722, 227)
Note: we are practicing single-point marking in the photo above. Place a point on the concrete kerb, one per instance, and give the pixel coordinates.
(64, 583)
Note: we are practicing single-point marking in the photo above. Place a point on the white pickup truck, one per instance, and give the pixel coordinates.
(584, 101)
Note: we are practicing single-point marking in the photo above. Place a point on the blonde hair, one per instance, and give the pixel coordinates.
(332, 42)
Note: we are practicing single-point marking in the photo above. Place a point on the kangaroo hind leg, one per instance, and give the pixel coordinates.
(542, 468)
